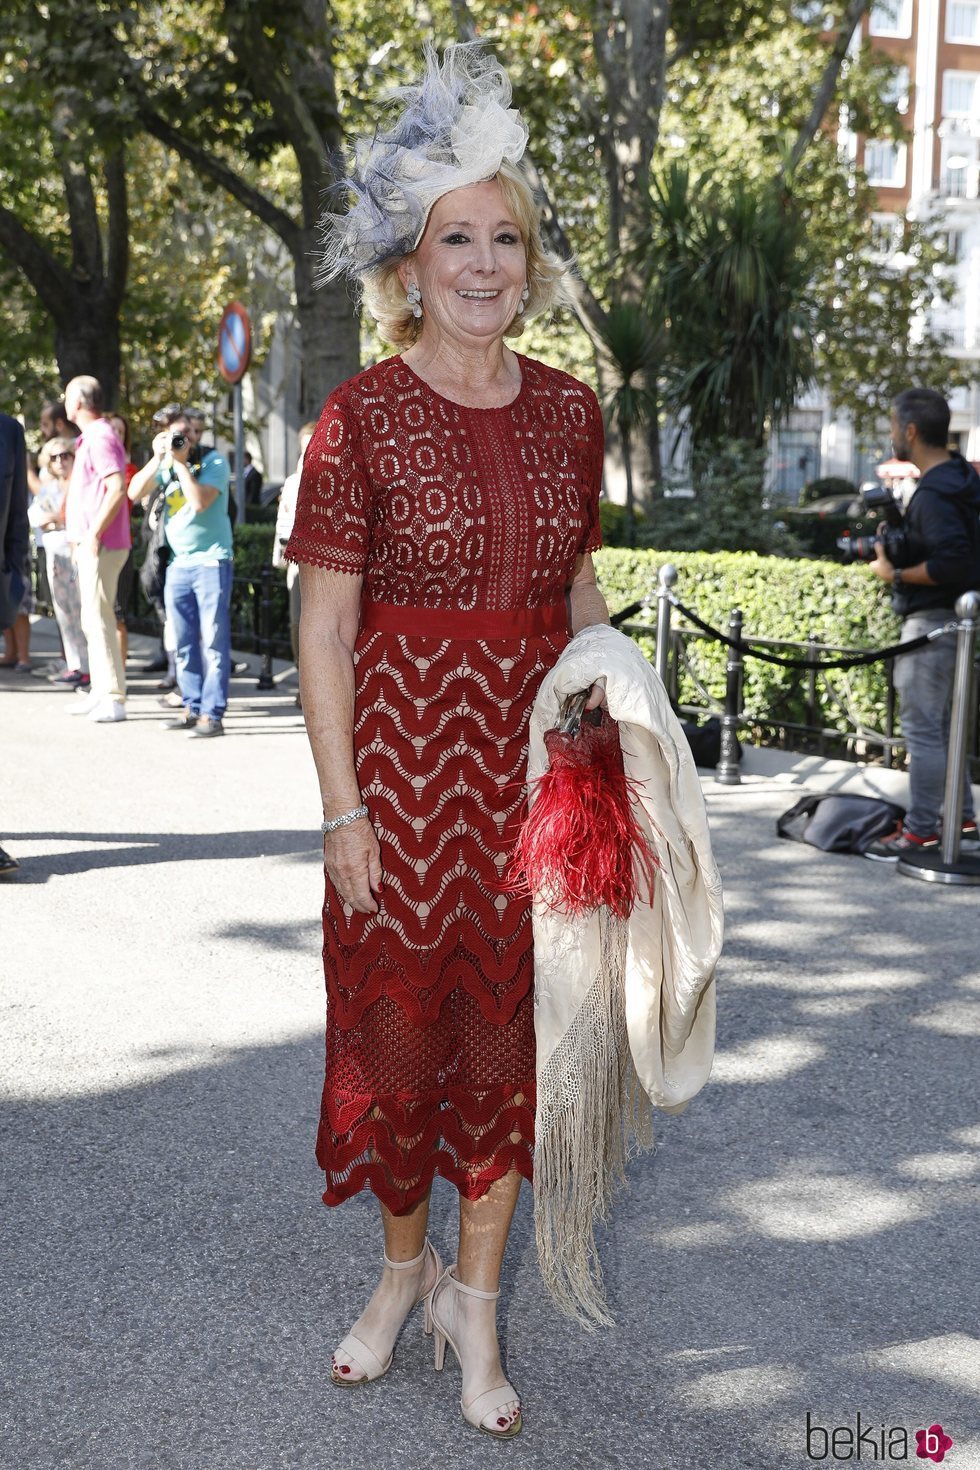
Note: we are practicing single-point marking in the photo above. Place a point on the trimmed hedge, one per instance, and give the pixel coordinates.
(779, 598)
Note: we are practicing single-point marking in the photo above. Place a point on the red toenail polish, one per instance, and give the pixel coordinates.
(502, 1423)
(344, 1368)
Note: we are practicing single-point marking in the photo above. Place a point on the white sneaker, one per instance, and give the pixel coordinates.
(107, 712)
(84, 704)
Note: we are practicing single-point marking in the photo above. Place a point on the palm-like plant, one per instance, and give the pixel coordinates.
(731, 274)
(632, 347)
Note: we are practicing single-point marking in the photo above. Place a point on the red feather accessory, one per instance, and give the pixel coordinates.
(581, 845)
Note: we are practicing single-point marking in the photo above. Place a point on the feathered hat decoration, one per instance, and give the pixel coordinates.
(453, 128)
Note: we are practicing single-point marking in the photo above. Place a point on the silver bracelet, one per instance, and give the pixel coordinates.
(353, 816)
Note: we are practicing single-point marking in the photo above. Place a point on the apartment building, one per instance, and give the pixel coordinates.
(935, 174)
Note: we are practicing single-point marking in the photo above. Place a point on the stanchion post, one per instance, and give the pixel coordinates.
(968, 612)
(666, 580)
(266, 680)
(727, 770)
(948, 866)
(812, 711)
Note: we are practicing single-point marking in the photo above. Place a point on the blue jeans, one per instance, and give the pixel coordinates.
(198, 600)
(924, 682)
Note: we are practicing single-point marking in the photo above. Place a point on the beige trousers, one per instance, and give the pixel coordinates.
(98, 578)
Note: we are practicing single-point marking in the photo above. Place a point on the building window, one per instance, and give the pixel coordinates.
(954, 245)
(884, 164)
(892, 18)
(963, 21)
(961, 94)
(958, 171)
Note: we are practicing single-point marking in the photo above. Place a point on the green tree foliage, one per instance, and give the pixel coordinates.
(744, 105)
(731, 276)
(255, 97)
(64, 210)
(242, 93)
(726, 511)
(878, 337)
(181, 256)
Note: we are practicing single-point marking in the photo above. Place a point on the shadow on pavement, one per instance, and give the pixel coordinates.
(140, 849)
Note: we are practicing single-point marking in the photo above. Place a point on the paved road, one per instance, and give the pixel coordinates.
(803, 1241)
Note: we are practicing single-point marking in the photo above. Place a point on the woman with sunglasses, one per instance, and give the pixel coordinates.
(47, 515)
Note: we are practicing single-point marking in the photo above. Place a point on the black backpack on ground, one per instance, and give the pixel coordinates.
(836, 822)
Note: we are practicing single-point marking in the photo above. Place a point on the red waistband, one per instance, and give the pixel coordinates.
(434, 622)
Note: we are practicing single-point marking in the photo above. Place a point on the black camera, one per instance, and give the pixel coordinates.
(879, 500)
(178, 441)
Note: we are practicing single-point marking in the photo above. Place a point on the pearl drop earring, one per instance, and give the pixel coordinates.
(525, 294)
(414, 298)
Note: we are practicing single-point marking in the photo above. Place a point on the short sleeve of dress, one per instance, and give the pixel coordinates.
(332, 527)
(594, 454)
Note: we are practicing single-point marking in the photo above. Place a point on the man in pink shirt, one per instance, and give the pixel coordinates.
(97, 523)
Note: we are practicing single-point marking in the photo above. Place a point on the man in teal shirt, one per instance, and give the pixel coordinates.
(197, 593)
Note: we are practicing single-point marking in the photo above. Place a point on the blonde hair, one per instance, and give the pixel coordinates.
(383, 294)
(57, 445)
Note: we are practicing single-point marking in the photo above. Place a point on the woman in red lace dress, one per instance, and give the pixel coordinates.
(446, 514)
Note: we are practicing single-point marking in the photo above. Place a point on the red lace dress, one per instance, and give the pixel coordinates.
(465, 525)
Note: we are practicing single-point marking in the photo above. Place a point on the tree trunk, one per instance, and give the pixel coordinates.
(82, 299)
(624, 435)
(86, 343)
(631, 49)
(329, 331)
(828, 85)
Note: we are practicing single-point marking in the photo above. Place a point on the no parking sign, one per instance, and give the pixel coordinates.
(234, 342)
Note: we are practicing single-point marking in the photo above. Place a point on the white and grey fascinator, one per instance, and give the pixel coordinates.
(453, 128)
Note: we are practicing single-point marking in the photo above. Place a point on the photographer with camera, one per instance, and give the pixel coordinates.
(931, 555)
(197, 592)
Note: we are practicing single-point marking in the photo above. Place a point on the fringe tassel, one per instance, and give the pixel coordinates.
(590, 1111)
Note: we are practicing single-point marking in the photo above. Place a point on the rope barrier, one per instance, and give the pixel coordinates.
(847, 661)
(625, 613)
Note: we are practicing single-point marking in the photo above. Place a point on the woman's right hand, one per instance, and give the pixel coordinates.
(352, 862)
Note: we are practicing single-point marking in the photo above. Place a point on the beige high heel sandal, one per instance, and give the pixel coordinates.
(495, 1398)
(368, 1361)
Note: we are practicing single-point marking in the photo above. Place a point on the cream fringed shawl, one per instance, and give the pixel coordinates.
(624, 1012)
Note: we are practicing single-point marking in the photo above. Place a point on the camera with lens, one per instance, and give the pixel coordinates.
(879, 500)
(178, 441)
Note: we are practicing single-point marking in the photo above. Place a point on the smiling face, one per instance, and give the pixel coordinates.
(470, 266)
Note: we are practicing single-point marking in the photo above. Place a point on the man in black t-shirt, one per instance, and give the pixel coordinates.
(942, 561)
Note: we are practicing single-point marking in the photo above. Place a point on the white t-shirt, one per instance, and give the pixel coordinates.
(47, 503)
